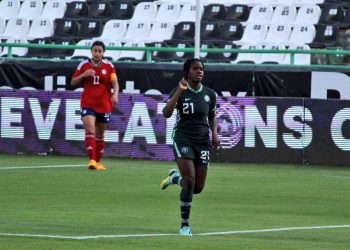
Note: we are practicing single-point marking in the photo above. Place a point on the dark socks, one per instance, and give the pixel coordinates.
(185, 206)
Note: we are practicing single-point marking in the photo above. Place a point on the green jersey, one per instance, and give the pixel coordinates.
(193, 107)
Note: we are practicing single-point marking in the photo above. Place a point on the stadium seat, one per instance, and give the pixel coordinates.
(184, 31)
(16, 51)
(100, 9)
(206, 56)
(31, 9)
(332, 13)
(302, 34)
(214, 12)
(2, 26)
(114, 30)
(62, 53)
(346, 20)
(237, 12)
(210, 30)
(112, 55)
(9, 8)
(160, 31)
(273, 58)
(284, 14)
(168, 12)
(82, 53)
(267, 2)
(261, 14)
(225, 57)
(253, 32)
(326, 36)
(176, 56)
(77, 9)
(278, 33)
(188, 13)
(132, 55)
(15, 28)
(137, 31)
(248, 57)
(122, 9)
(299, 59)
(311, 1)
(231, 31)
(39, 52)
(288, 2)
(40, 28)
(90, 28)
(66, 27)
(154, 54)
(145, 11)
(308, 14)
(53, 9)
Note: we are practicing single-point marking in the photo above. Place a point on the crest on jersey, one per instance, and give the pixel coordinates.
(206, 98)
(104, 72)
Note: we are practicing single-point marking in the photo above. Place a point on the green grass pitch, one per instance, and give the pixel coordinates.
(54, 202)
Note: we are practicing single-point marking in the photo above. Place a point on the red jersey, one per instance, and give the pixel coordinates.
(98, 88)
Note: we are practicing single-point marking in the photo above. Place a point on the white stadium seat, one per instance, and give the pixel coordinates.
(168, 12)
(248, 57)
(308, 14)
(284, 14)
(132, 54)
(278, 33)
(273, 57)
(82, 53)
(31, 9)
(114, 30)
(40, 28)
(54, 9)
(16, 51)
(260, 13)
(160, 31)
(137, 31)
(302, 33)
(145, 11)
(16, 28)
(253, 32)
(2, 26)
(9, 8)
(188, 13)
(112, 54)
(299, 59)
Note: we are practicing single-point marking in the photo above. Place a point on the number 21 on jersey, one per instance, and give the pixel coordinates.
(187, 108)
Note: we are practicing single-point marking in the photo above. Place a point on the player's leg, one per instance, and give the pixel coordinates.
(201, 162)
(100, 143)
(89, 119)
(187, 171)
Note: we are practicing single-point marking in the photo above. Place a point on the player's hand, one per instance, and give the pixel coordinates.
(114, 99)
(89, 72)
(216, 142)
(183, 84)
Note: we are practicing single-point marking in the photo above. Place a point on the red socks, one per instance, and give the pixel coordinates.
(90, 145)
(100, 145)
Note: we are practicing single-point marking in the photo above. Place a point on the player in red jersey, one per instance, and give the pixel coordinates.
(98, 78)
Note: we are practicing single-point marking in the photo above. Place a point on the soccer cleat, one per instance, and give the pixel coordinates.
(99, 166)
(185, 231)
(169, 180)
(92, 164)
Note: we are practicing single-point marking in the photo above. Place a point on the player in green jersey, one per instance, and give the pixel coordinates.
(195, 105)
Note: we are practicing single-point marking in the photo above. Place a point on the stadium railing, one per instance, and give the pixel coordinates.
(329, 52)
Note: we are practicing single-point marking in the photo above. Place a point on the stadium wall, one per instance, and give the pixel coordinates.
(252, 129)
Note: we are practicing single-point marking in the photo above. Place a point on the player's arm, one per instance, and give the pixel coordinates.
(169, 108)
(76, 81)
(213, 124)
(115, 86)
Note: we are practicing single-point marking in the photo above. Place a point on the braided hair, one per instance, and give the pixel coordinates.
(187, 65)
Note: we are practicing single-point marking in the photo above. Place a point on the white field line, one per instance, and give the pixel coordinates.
(172, 234)
(49, 166)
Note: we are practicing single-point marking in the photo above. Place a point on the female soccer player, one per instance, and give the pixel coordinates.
(98, 78)
(195, 104)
